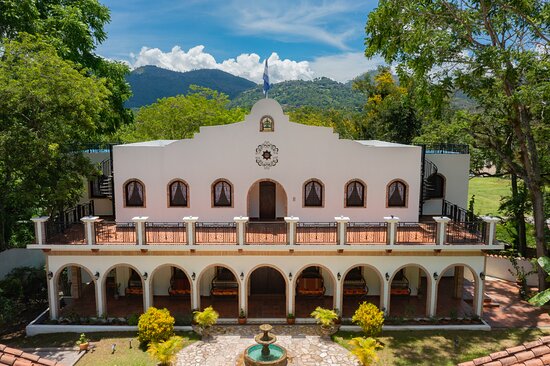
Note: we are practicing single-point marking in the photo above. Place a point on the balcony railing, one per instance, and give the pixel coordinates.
(216, 233)
(466, 232)
(316, 233)
(367, 233)
(416, 233)
(165, 233)
(120, 233)
(266, 233)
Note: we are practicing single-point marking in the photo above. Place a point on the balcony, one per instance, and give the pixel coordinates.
(240, 234)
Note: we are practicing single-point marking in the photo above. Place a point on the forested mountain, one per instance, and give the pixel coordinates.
(150, 83)
(320, 93)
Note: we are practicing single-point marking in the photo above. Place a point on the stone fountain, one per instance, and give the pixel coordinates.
(265, 352)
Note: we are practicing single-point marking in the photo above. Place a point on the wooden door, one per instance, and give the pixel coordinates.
(267, 201)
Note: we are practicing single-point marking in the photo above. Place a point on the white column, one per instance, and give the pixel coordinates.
(241, 222)
(140, 229)
(190, 222)
(196, 293)
(147, 293)
(432, 298)
(40, 229)
(478, 306)
(89, 228)
(338, 294)
(292, 222)
(53, 298)
(392, 228)
(491, 222)
(442, 222)
(291, 296)
(342, 228)
(385, 296)
(243, 293)
(100, 300)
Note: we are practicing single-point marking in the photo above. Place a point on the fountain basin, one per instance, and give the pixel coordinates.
(253, 356)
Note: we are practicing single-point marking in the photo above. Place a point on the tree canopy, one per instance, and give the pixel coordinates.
(47, 108)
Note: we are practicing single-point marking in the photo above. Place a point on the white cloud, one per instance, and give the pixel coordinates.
(344, 66)
(248, 66)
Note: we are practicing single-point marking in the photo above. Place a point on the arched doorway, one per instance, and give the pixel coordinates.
(360, 283)
(75, 289)
(219, 288)
(266, 201)
(315, 286)
(456, 292)
(123, 291)
(171, 289)
(409, 292)
(267, 289)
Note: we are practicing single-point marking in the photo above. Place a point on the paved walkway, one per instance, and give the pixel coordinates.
(302, 342)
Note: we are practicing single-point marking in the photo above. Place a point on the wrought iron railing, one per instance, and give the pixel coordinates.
(165, 233)
(60, 223)
(316, 233)
(457, 213)
(367, 233)
(266, 233)
(416, 233)
(466, 232)
(119, 233)
(442, 148)
(215, 233)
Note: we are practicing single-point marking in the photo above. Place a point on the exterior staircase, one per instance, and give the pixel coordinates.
(106, 179)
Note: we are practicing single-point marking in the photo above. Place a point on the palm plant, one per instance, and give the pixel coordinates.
(542, 297)
(165, 352)
(365, 349)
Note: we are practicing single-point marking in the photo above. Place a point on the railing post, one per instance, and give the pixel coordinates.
(392, 228)
(40, 229)
(241, 222)
(89, 228)
(291, 233)
(190, 222)
(342, 228)
(491, 230)
(140, 229)
(442, 222)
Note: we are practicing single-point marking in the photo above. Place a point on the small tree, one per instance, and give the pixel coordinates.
(155, 325)
(369, 318)
(165, 352)
(365, 349)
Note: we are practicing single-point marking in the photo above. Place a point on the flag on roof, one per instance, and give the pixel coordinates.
(267, 86)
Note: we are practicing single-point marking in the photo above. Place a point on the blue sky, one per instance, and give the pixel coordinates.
(302, 39)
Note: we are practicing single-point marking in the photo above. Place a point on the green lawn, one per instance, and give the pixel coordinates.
(488, 192)
(438, 347)
(100, 353)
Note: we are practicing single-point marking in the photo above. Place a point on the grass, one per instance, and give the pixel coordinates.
(488, 192)
(447, 347)
(101, 352)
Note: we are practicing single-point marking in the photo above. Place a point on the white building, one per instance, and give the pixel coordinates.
(272, 217)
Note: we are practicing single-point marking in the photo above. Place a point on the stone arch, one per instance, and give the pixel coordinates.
(427, 296)
(277, 184)
(128, 303)
(247, 287)
(477, 283)
(176, 304)
(366, 298)
(81, 301)
(322, 303)
(225, 312)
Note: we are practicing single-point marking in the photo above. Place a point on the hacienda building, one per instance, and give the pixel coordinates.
(269, 217)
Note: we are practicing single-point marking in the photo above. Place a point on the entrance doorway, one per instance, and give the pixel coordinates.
(267, 201)
(267, 294)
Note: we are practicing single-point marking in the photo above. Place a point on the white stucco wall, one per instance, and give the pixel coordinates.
(305, 152)
(455, 169)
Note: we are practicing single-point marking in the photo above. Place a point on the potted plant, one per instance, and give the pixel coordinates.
(204, 320)
(325, 318)
(165, 352)
(83, 342)
(242, 317)
(290, 318)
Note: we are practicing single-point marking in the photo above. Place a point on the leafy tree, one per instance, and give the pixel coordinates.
(46, 108)
(74, 28)
(497, 53)
(181, 116)
(390, 113)
(544, 296)
(345, 123)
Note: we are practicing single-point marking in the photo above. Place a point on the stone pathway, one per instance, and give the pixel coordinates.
(303, 344)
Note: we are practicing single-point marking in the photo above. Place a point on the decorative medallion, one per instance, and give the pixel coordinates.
(267, 155)
(267, 124)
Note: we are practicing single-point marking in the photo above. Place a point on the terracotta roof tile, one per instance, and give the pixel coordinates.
(535, 353)
(16, 357)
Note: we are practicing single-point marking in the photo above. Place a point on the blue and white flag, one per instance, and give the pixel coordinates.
(267, 86)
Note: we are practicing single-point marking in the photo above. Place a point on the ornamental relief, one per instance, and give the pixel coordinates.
(267, 155)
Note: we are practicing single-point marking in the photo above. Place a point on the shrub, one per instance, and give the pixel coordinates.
(325, 317)
(133, 319)
(155, 325)
(207, 317)
(365, 349)
(369, 318)
(165, 351)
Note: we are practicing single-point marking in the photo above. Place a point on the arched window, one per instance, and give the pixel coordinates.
(134, 193)
(222, 194)
(178, 194)
(397, 194)
(355, 194)
(313, 194)
(436, 186)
